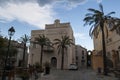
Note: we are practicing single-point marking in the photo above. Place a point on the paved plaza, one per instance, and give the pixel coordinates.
(83, 74)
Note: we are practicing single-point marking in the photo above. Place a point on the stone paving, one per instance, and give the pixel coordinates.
(84, 74)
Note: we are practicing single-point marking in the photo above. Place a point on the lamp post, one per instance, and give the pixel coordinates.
(11, 32)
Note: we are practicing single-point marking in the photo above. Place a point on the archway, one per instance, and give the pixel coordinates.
(53, 62)
(89, 53)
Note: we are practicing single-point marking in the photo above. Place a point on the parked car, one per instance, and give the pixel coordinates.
(73, 67)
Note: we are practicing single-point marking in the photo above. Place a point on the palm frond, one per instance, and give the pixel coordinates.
(63, 42)
(42, 40)
(59, 49)
(94, 11)
(89, 14)
(57, 40)
(110, 13)
(24, 39)
(90, 31)
(87, 18)
(101, 8)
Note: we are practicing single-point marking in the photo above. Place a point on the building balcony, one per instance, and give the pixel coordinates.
(48, 49)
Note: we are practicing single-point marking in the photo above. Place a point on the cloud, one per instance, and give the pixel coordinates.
(99, 1)
(5, 2)
(74, 3)
(44, 2)
(68, 4)
(30, 13)
(79, 36)
(33, 12)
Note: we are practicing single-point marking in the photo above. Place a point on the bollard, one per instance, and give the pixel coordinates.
(99, 70)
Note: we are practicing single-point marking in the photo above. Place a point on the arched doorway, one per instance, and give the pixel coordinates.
(53, 62)
(89, 53)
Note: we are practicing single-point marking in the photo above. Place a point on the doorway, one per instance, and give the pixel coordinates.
(53, 62)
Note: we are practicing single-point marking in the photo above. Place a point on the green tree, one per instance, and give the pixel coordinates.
(24, 41)
(2, 42)
(4, 47)
(42, 40)
(97, 19)
(63, 44)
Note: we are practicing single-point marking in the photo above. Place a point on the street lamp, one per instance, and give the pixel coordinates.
(11, 32)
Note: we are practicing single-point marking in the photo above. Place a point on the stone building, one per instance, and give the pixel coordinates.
(112, 41)
(15, 55)
(19, 56)
(81, 56)
(53, 31)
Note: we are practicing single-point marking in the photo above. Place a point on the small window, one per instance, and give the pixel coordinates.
(76, 57)
(82, 52)
(82, 57)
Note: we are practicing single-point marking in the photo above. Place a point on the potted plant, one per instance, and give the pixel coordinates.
(38, 67)
(24, 75)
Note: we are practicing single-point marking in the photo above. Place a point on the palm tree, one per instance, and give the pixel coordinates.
(24, 40)
(63, 44)
(42, 40)
(97, 19)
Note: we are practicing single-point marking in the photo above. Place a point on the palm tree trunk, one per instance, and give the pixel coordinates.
(24, 51)
(62, 59)
(104, 50)
(41, 55)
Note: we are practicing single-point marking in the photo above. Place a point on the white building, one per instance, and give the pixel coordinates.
(81, 56)
(19, 57)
